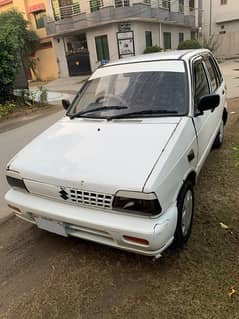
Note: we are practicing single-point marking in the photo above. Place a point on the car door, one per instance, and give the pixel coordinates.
(206, 124)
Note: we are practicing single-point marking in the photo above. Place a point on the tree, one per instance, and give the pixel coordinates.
(17, 43)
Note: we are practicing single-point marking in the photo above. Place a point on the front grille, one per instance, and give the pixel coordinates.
(86, 198)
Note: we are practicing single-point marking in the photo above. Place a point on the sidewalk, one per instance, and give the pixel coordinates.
(62, 88)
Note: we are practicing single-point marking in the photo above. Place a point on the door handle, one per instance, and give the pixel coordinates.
(223, 92)
(191, 155)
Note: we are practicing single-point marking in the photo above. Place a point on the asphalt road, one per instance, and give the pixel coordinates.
(12, 141)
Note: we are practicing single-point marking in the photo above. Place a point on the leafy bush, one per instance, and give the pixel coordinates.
(36, 97)
(7, 108)
(189, 44)
(43, 96)
(154, 48)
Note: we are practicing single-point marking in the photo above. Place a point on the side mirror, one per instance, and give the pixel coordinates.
(66, 104)
(208, 102)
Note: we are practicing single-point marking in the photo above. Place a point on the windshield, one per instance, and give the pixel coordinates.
(159, 92)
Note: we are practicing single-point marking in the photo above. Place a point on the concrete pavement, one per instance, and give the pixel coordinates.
(12, 141)
(66, 85)
(57, 90)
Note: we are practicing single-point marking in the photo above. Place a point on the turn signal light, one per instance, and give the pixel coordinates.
(14, 208)
(136, 240)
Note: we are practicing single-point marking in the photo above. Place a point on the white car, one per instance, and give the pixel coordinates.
(120, 167)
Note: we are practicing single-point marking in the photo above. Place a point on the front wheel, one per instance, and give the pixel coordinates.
(185, 205)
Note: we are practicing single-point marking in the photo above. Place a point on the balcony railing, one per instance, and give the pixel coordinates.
(62, 12)
(96, 5)
(121, 3)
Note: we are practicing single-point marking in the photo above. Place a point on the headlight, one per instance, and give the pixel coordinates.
(16, 183)
(145, 204)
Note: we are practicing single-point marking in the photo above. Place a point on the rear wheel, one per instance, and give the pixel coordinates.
(185, 204)
(220, 136)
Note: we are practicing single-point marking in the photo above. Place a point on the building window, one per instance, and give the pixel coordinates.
(193, 35)
(148, 38)
(223, 2)
(167, 40)
(181, 6)
(39, 19)
(165, 4)
(96, 5)
(180, 37)
(102, 49)
(191, 5)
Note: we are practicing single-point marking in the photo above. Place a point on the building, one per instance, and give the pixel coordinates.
(87, 32)
(221, 19)
(45, 58)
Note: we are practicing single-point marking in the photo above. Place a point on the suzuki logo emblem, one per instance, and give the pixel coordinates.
(63, 194)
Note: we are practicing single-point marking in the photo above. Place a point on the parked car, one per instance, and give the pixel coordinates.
(120, 167)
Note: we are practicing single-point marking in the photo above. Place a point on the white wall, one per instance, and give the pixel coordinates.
(139, 29)
(139, 35)
(175, 33)
(58, 45)
(109, 30)
(219, 13)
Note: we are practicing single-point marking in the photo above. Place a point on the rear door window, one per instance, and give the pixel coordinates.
(217, 70)
(212, 74)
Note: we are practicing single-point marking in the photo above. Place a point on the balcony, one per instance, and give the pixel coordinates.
(64, 12)
(74, 17)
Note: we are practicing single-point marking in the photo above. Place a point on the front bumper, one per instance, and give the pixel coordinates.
(100, 226)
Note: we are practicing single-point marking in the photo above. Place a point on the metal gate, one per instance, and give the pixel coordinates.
(78, 63)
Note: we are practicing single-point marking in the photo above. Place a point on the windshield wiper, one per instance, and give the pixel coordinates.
(103, 108)
(144, 112)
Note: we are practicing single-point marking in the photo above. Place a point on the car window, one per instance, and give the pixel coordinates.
(136, 91)
(212, 74)
(217, 69)
(201, 86)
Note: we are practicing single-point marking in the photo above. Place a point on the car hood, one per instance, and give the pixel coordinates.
(96, 155)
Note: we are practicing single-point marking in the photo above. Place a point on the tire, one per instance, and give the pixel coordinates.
(185, 205)
(220, 136)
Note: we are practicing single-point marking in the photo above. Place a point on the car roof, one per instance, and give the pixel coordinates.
(183, 55)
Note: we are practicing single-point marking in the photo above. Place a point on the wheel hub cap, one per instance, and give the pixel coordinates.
(187, 212)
